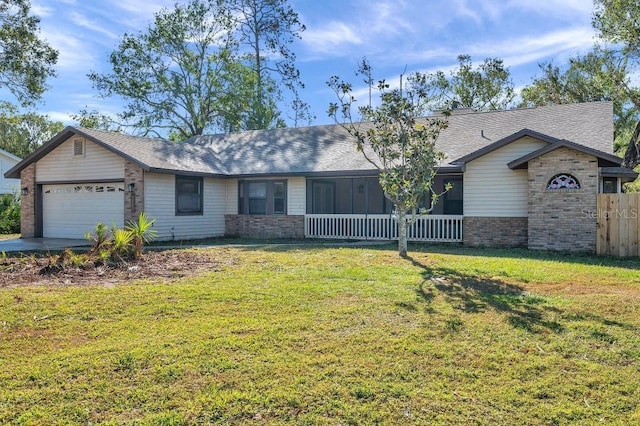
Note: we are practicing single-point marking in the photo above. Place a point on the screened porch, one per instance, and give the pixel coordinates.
(355, 208)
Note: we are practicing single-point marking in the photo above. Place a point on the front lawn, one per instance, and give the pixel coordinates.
(326, 335)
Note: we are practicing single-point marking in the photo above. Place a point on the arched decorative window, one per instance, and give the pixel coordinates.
(563, 181)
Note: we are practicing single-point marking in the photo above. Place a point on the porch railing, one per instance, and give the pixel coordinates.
(430, 228)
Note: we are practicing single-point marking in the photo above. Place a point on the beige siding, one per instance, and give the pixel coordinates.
(296, 196)
(159, 196)
(97, 163)
(491, 189)
(231, 204)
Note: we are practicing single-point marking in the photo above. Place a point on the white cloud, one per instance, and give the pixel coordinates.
(574, 9)
(45, 8)
(384, 19)
(370, 28)
(82, 21)
(73, 54)
(527, 49)
(331, 37)
(41, 11)
(137, 14)
(63, 117)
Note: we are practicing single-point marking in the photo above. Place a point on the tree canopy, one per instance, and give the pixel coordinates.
(266, 29)
(21, 134)
(600, 75)
(394, 139)
(617, 24)
(26, 61)
(207, 65)
(177, 76)
(486, 87)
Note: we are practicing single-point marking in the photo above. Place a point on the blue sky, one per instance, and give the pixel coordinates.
(421, 35)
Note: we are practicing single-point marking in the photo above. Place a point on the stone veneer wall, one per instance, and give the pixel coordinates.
(28, 202)
(495, 231)
(559, 219)
(264, 226)
(133, 201)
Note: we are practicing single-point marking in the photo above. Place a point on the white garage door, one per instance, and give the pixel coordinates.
(70, 210)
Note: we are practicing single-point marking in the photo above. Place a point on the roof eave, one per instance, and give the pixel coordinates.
(503, 142)
(522, 162)
(44, 149)
(56, 141)
(180, 172)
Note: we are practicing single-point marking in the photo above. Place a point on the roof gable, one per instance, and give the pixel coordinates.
(151, 154)
(521, 163)
(503, 142)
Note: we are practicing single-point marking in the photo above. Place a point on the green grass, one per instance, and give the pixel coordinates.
(313, 335)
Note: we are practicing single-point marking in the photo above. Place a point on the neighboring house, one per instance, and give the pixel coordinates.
(8, 161)
(522, 177)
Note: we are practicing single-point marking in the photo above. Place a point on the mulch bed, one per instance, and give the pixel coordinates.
(35, 269)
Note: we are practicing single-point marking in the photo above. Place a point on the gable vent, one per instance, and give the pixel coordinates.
(78, 147)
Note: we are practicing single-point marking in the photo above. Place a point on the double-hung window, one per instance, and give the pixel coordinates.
(188, 195)
(264, 197)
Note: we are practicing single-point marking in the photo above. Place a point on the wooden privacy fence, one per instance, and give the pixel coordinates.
(618, 230)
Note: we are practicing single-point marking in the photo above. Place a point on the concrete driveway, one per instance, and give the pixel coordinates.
(40, 244)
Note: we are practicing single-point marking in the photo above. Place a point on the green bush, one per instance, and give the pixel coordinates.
(9, 214)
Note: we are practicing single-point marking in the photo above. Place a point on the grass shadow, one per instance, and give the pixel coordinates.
(524, 253)
(471, 294)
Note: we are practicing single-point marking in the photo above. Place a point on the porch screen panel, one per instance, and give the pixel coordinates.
(453, 197)
(323, 198)
(360, 195)
(343, 196)
(376, 199)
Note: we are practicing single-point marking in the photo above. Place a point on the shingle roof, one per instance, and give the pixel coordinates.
(329, 148)
(589, 124)
(284, 151)
(158, 154)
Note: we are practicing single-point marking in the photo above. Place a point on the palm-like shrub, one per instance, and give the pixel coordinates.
(117, 245)
(141, 232)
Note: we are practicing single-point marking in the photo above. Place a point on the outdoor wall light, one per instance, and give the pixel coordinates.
(25, 191)
(131, 186)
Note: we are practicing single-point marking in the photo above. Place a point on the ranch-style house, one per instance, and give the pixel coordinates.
(522, 177)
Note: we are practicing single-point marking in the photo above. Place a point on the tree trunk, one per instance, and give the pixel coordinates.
(402, 233)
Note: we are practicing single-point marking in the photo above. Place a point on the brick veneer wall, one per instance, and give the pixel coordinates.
(28, 202)
(264, 226)
(559, 219)
(133, 201)
(495, 231)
